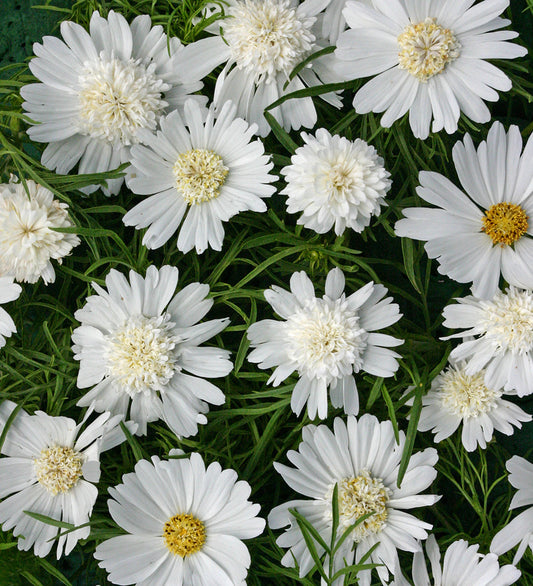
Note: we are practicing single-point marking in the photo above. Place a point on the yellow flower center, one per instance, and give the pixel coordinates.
(58, 469)
(426, 48)
(505, 223)
(199, 175)
(184, 534)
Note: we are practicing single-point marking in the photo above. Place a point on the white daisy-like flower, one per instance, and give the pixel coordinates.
(519, 531)
(326, 340)
(456, 398)
(362, 458)
(462, 565)
(28, 241)
(486, 232)
(335, 183)
(51, 469)
(9, 291)
(429, 59)
(203, 168)
(139, 344)
(185, 523)
(503, 338)
(261, 42)
(100, 87)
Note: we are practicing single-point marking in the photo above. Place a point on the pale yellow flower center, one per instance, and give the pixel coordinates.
(58, 469)
(199, 175)
(425, 48)
(466, 395)
(184, 534)
(505, 223)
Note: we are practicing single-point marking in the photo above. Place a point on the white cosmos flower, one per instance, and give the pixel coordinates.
(51, 469)
(326, 340)
(335, 182)
(429, 58)
(261, 42)
(503, 338)
(205, 169)
(100, 87)
(185, 523)
(457, 398)
(139, 348)
(28, 241)
(462, 565)
(485, 231)
(9, 291)
(363, 459)
(519, 531)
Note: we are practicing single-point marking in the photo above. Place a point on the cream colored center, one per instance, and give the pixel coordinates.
(199, 174)
(58, 469)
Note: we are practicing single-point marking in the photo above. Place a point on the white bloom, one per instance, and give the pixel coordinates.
(205, 169)
(457, 398)
(262, 41)
(9, 291)
(99, 88)
(486, 232)
(520, 529)
(333, 22)
(325, 340)
(503, 343)
(50, 469)
(185, 524)
(429, 58)
(335, 182)
(363, 459)
(462, 565)
(137, 343)
(28, 241)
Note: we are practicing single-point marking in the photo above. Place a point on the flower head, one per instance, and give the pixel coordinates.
(28, 241)
(100, 88)
(485, 232)
(9, 291)
(138, 342)
(326, 340)
(201, 172)
(362, 458)
(185, 523)
(51, 469)
(335, 183)
(429, 59)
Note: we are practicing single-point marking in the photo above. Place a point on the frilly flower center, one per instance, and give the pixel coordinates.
(358, 496)
(325, 340)
(58, 469)
(505, 223)
(267, 37)
(199, 174)
(426, 48)
(141, 354)
(184, 534)
(119, 97)
(466, 395)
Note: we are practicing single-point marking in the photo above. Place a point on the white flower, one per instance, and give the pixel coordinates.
(325, 340)
(205, 169)
(262, 41)
(137, 342)
(333, 22)
(185, 524)
(503, 343)
(429, 58)
(486, 232)
(50, 469)
(363, 459)
(335, 182)
(456, 397)
(520, 529)
(99, 88)
(28, 241)
(462, 565)
(9, 291)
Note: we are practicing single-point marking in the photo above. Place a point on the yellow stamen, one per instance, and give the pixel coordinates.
(184, 534)
(505, 223)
